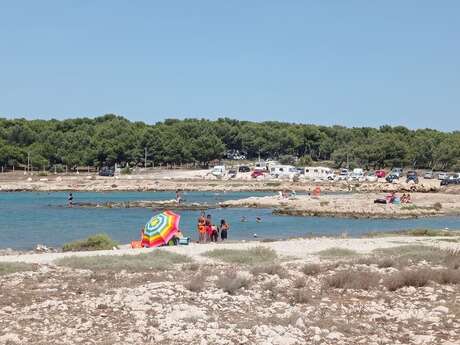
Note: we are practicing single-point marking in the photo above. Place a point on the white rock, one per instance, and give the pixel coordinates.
(299, 323)
(335, 335)
(441, 309)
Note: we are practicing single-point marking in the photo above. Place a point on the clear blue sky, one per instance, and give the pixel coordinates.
(353, 63)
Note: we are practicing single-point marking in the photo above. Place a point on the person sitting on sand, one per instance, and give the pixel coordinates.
(408, 199)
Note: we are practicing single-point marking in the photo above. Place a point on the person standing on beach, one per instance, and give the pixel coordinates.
(70, 200)
(202, 228)
(224, 226)
(178, 198)
(208, 226)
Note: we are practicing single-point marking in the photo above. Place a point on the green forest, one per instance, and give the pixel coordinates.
(111, 139)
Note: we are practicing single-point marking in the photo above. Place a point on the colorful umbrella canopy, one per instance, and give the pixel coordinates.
(160, 229)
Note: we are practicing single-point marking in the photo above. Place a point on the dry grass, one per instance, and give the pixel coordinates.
(154, 261)
(196, 283)
(270, 269)
(418, 253)
(252, 256)
(349, 279)
(416, 278)
(14, 267)
(384, 262)
(301, 296)
(299, 282)
(232, 280)
(311, 269)
(336, 252)
(447, 276)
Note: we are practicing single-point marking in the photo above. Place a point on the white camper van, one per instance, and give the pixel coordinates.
(283, 171)
(218, 170)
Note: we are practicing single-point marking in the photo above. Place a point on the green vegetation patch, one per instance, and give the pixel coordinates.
(252, 256)
(95, 242)
(14, 267)
(158, 260)
(336, 252)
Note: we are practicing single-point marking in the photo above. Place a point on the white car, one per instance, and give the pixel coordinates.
(370, 177)
(442, 176)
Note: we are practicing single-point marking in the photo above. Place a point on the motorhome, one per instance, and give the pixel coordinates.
(283, 171)
(317, 173)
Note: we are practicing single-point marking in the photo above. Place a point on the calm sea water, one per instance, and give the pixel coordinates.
(27, 219)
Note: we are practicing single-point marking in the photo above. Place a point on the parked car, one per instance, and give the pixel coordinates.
(232, 173)
(428, 175)
(371, 177)
(218, 170)
(257, 173)
(397, 171)
(343, 174)
(106, 171)
(380, 173)
(452, 179)
(392, 177)
(357, 174)
(243, 169)
(442, 175)
(411, 176)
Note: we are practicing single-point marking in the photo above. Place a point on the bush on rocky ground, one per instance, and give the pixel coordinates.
(95, 242)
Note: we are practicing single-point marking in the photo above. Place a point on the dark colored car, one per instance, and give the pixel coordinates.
(411, 176)
(243, 169)
(257, 173)
(106, 171)
(452, 179)
(391, 177)
(380, 173)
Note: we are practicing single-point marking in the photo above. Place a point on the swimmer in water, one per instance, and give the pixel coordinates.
(258, 219)
(243, 219)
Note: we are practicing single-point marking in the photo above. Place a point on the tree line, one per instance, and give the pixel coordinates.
(111, 139)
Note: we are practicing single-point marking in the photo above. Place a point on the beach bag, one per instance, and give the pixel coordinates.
(184, 241)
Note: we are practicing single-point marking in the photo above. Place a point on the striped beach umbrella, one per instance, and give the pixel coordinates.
(160, 229)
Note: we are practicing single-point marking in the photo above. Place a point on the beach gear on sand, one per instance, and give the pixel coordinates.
(136, 244)
(160, 229)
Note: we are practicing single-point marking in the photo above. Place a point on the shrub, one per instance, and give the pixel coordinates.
(155, 261)
(311, 269)
(301, 296)
(324, 203)
(416, 278)
(299, 282)
(13, 267)
(196, 284)
(437, 206)
(270, 269)
(336, 252)
(250, 256)
(359, 280)
(447, 276)
(95, 242)
(232, 280)
(126, 170)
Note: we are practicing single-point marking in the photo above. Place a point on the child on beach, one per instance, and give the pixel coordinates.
(224, 226)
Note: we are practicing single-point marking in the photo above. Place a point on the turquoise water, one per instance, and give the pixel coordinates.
(27, 219)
